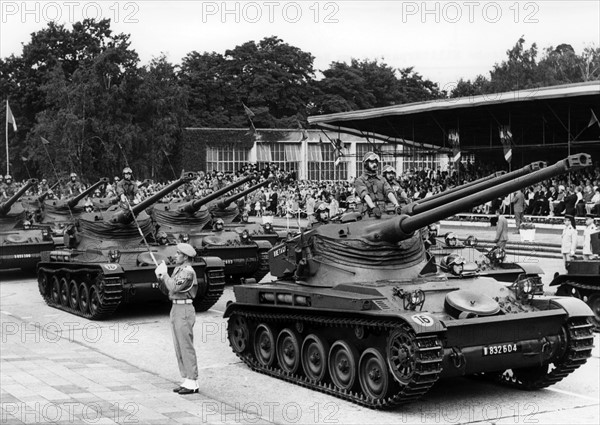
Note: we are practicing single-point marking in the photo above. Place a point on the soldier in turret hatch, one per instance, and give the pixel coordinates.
(373, 189)
(321, 214)
(73, 186)
(127, 188)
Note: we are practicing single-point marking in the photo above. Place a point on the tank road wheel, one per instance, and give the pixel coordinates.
(288, 350)
(314, 357)
(64, 292)
(264, 345)
(594, 303)
(84, 298)
(373, 374)
(401, 355)
(74, 294)
(238, 333)
(95, 302)
(55, 290)
(343, 365)
(43, 285)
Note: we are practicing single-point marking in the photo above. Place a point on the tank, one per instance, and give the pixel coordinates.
(105, 202)
(59, 213)
(582, 280)
(243, 256)
(21, 244)
(475, 260)
(106, 263)
(359, 310)
(33, 203)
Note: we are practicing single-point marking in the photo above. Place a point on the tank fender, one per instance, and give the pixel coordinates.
(213, 262)
(574, 307)
(266, 245)
(423, 322)
(112, 269)
(530, 268)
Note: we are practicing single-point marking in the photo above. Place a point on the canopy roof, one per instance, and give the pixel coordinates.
(553, 116)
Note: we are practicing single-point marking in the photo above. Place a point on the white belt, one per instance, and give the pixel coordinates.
(188, 301)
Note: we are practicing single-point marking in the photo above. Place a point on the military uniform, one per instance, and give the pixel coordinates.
(181, 288)
(373, 185)
(127, 188)
(73, 188)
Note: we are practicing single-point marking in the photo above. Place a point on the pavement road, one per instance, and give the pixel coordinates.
(138, 343)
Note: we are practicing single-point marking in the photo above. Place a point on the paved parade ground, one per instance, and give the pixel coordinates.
(58, 368)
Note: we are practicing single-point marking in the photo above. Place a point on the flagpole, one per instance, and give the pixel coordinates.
(6, 131)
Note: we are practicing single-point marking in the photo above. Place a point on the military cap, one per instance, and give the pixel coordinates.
(187, 249)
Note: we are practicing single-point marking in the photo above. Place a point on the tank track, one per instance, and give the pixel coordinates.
(263, 265)
(580, 343)
(110, 292)
(589, 291)
(427, 369)
(215, 281)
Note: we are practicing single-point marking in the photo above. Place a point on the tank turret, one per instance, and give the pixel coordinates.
(359, 310)
(126, 215)
(193, 206)
(70, 203)
(470, 188)
(47, 193)
(346, 246)
(6, 206)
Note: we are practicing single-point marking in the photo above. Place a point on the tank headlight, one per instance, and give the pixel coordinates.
(184, 237)
(268, 227)
(526, 287)
(245, 236)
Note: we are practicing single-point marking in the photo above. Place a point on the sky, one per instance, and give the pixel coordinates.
(443, 40)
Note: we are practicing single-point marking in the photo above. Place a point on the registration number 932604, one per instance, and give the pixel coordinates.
(492, 350)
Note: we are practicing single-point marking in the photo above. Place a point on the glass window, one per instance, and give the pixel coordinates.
(226, 158)
(285, 155)
(321, 163)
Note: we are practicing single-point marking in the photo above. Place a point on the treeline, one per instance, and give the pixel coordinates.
(85, 91)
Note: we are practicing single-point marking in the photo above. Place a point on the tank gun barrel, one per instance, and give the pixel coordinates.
(225, 202)
(125, 216)
(402, 227)
(44, 195)
(193, 206)
(5, 207)
(468, 189)
(71, 202)
(462, 186)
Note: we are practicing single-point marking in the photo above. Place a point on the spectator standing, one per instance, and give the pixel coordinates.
(568, 239)
(501, 230)
(518, 202)
(590, 228)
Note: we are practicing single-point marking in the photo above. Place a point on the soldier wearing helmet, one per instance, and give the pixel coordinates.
(73, 186)
(372, 188)
(8, 188)
(321, 214)
(218, 225)
(127, 190)
(218, 183)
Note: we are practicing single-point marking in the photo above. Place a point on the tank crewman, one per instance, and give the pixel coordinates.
(218, 183)
(126, 188)
(373, 189)
(9, 188)
(43, 187)
(73, 187)
(181, 289)
(321, 214)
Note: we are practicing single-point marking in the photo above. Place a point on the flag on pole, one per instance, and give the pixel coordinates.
(593, 119)
(45, 141)
(454, 140)
(506, 140)
(338, 159)
(10, 118)
(250, 115)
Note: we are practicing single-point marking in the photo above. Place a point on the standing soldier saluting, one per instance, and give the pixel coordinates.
(372, 188)
(181, 289)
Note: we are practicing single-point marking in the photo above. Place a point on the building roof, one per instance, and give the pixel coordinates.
(536, 117)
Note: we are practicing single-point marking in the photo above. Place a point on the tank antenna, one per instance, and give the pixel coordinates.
(140, 231)
(44, 143)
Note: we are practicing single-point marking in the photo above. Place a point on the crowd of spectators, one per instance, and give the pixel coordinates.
(576, 193)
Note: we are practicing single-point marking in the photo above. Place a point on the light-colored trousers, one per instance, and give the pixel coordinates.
(183, 318)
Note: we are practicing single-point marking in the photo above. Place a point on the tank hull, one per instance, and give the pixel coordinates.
(22, 249)
(96, 288)
(377, 353)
